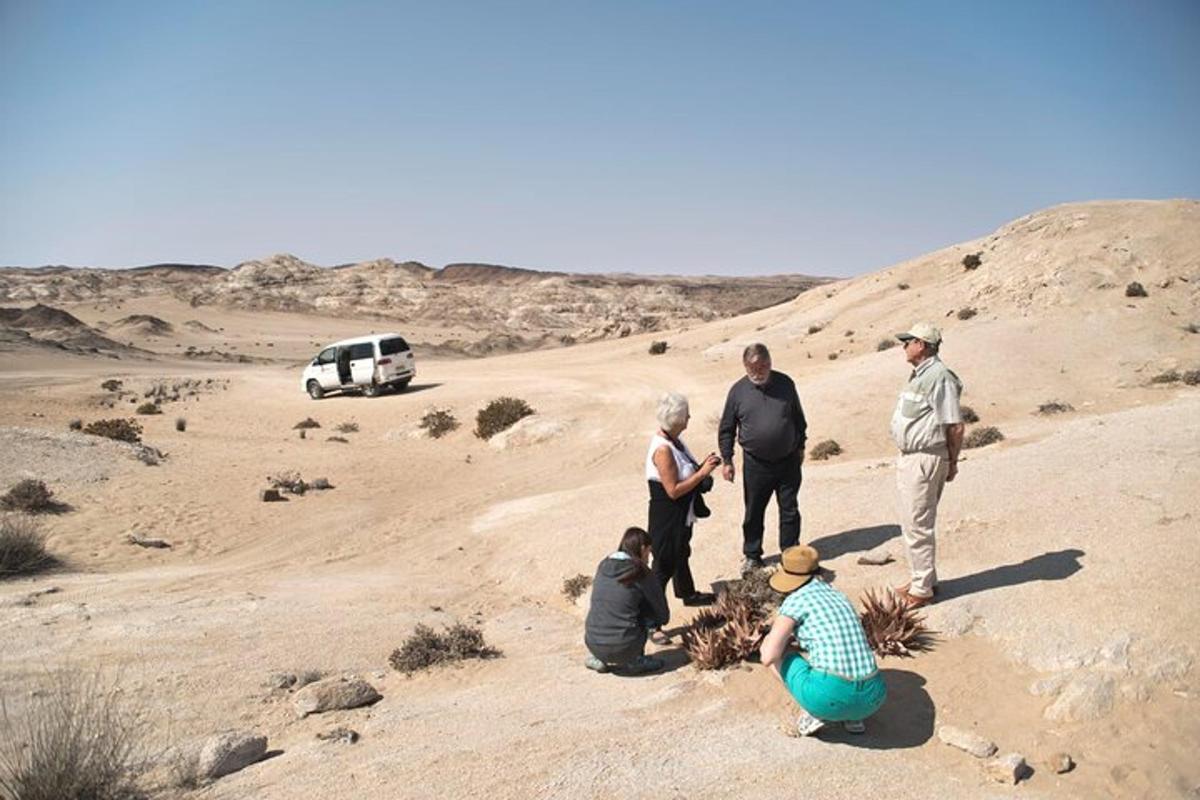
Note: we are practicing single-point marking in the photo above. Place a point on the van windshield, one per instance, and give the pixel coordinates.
(392, 345)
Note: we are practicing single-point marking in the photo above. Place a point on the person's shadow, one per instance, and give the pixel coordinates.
(857, 540)
(1054, 566)
(905, 720)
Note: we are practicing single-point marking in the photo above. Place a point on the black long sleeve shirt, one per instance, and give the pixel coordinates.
(766, 420)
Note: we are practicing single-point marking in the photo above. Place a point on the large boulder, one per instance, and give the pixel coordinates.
(334, 693)
(230, 751)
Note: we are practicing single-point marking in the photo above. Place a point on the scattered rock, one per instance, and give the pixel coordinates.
(339, 735)
(876, 558)
(321, 484)
(334, 693)
(1048, 687)
(967, 741)
(1135, 691)
(229, 752)
(1060, 763)
(1009, 768)
(1170, 667)
(1115, 652)
(1087, 697)
(281, 680)
(269, 495)
(143, 541)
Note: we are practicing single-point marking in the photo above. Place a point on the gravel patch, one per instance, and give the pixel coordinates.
(61, 457)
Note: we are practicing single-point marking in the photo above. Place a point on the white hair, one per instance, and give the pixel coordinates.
(672, 410)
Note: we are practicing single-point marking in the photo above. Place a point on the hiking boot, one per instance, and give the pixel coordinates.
(700, 599)
(914, 601)
(595, 664)
(751, 564)
(855, 726)
(807, 724)
(644, 664)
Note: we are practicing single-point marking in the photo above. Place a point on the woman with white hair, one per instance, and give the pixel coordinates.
(674, 477)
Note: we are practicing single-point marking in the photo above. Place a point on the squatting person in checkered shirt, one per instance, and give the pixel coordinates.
(836, 679)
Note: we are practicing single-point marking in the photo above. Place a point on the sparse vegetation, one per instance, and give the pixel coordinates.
(575, 586)
(338, 439)
(77, 740)
(1191, 377)
(347, 427)
(892, 627)
(982, 437)
(972, 261)
(307, 422)
(22, 547)
(968, 415)
(815, 328)
(825, 450)
(122, 430)
(1191, 327)
(756, 587)
(1135, 289)
(426, 648)
(75, 425)
(1054, 407)
(848, 333)
(966, 313)
(288, 481)
(500, 414)
(438, 422)
(658, 348)
(833, 356)
(902, 287)
(30, 496)
(149, 408)
(111, 385)
(180, 424)
(1169, 376)
(727, 633)
(885, 344)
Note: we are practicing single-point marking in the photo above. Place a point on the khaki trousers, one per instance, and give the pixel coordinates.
(920, 478)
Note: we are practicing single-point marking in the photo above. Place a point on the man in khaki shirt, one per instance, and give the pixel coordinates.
(927, 427)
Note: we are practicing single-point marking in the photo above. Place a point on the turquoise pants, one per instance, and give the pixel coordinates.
(830, 697)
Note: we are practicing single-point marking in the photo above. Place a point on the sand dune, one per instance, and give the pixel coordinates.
(1068, 550)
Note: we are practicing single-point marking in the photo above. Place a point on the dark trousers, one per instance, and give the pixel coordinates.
(672, 547)
(760, 480)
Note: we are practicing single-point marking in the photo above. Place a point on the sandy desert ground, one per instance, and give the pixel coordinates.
(1068, 552)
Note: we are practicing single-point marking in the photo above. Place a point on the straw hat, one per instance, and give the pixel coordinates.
(797, 566)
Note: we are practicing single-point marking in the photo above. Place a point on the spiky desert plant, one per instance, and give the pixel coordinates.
(707, 642)
(892, 627)
(727, 633)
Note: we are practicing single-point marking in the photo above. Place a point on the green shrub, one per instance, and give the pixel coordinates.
(972, 261)
(499, 415)
(658, 348)
(426, 648)
(574, 587)
(22, 547)
(123, 430)
(825, 450)
(29, 495)
(438, 422)
(982, 437)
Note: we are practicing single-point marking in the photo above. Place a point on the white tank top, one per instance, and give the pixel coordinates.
(684, 467)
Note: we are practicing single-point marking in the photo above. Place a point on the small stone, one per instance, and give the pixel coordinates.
(229, 752)
(281, 680)
(966, 741)
(1060, 763)
(1087, 697)
(334, 693)
(339, 735)
(269, 495)
(876, 558)
(1009, 768)
(321, 484)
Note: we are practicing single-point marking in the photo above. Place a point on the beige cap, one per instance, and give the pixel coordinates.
(925, 331)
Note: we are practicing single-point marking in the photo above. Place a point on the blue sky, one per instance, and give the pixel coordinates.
(656, 137)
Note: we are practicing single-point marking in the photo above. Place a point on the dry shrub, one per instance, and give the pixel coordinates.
(727, 633)
(122, 430)
(966, 313)
(756, 587)
(982, 437)
(1191, 327)
(892, 627)
(1170, 376)
(825, 450)
(347, 427)
(29, 495)
(75, 424)
(22, 547)
(180, 424)
(902, 287)
(969, 415)
(972, 261)
(574, 587)
(77, 740)
(886, 344)
(427, 648)
(815, 328)
(500, 414)
(833, 356)
(658, 348)
(1191, 377)
(1135, 289)
(149, 408)
(111, 385)
(307, 422)
(1054, 407)
(288, 481)
(438, 422)
(338, 439)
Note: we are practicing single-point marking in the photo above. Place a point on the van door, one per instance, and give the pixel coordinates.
(327, 368)
(362, 363)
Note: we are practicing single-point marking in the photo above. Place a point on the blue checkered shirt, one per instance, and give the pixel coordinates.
(829, 631)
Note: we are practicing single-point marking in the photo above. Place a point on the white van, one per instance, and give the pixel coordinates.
(367, 363)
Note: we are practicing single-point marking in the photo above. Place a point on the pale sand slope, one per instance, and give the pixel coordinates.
(1076, 532)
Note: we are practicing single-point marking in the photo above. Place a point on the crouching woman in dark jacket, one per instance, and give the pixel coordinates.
(627, 602)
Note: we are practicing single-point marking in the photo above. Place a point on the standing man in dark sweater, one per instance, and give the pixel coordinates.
(763, 413)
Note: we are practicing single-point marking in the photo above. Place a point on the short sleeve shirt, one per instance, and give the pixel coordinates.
(927, 404)
(829, 631)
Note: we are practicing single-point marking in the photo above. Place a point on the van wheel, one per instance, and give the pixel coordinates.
(315, 391)
(402, 385)
(371, 389)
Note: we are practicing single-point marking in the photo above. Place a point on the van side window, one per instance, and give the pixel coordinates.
(392, 345)
(361, 350)
(327, 356)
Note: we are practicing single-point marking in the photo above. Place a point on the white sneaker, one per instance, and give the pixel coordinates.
(807, 724)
